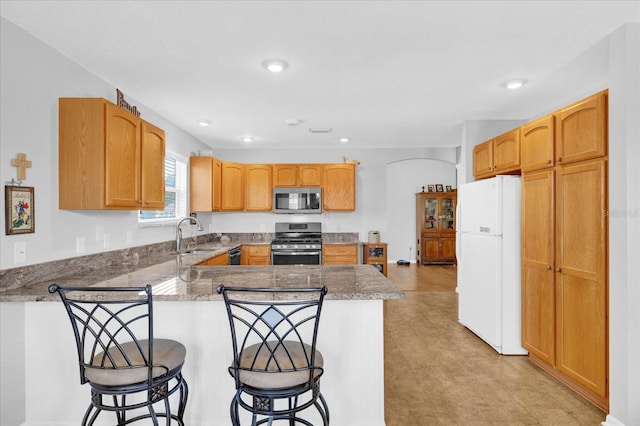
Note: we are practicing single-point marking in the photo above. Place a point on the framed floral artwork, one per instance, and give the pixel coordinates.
(19, 210)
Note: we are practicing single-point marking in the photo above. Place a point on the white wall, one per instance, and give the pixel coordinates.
(33, 76)
(624, 226)
(404, 179)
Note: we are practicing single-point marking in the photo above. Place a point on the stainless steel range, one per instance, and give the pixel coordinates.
(297, 244)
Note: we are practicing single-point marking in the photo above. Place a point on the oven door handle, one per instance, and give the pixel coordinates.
(295, 253)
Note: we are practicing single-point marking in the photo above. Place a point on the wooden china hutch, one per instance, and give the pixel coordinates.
(436, 227)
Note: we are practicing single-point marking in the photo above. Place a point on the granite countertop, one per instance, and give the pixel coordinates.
(177, 278)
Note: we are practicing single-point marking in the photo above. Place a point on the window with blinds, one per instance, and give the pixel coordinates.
(175, 178)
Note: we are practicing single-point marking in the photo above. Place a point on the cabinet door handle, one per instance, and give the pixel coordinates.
(559, 159)
(549, 162)
(558, 269)
(548, 267)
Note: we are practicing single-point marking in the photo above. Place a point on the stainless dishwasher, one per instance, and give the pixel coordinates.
(234, 256)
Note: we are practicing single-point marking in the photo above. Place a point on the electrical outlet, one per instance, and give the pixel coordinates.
(107, 241)
(80, 245)
(129, 238)
(99, 232)
(20, 252)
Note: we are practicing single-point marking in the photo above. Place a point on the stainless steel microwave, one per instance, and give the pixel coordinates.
(297, 200)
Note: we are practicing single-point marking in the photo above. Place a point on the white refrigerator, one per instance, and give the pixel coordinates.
(488, 252)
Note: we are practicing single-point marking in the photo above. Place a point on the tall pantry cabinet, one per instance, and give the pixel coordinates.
(564, 246)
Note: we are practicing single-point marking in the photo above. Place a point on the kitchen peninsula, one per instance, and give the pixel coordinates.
(187, 308)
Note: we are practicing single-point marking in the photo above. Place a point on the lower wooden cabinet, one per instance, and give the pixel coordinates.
(219, 260)
(256, 255)
(339, 254)
(375, 254)
(564, 275)
(437, 249)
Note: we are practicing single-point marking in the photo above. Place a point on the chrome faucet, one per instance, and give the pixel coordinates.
(179, 231)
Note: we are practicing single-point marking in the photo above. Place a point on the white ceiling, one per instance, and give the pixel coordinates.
(385, 73)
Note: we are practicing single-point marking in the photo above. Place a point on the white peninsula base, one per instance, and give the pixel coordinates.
(351, 339)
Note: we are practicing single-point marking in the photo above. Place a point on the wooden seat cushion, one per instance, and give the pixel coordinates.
(268, 375)
(167, 355)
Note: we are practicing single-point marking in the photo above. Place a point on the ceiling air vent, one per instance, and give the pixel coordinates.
(320, 129)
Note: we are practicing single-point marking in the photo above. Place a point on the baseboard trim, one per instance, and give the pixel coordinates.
(611, 421)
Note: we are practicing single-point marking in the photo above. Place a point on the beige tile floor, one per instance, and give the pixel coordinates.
(439, 373)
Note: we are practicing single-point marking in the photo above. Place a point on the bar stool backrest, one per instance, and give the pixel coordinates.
(113, 329)
(274, 331)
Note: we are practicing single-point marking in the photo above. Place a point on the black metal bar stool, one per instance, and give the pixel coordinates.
(130, 372)
(276, 366)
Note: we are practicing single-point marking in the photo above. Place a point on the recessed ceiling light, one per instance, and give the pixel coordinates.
(292, 122)
(247, 139)
(275, 65)
(515, 84)
(203, 122)
(344, 139)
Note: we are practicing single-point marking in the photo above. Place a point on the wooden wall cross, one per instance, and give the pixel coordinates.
(22, 164)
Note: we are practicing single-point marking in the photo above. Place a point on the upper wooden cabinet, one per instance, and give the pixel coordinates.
(506, 152)
(216, 185)
(285, 174)
(339, 187)
(497, 156)
(232, 186)
(297, 174)
(259, 188)
(537, 147)
(310, 174)
(205, 174)
(108, 158)
(483, 159)
(152, 145)
(575, 133)
(581, 130)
